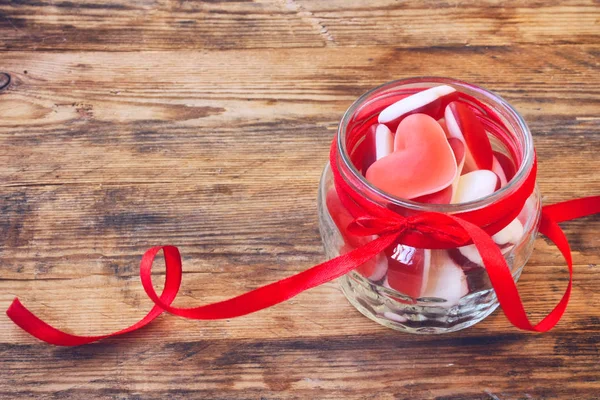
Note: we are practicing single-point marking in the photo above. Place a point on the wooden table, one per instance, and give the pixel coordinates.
(128, 124)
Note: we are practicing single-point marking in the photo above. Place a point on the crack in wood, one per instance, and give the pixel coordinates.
(308, 16)
(5, 80)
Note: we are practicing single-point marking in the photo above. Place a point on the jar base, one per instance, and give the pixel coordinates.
(422, 317)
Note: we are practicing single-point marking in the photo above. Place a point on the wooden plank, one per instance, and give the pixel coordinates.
(153, 25)
(324, 81)
(346, 357)
(119, 25)
(457, 23)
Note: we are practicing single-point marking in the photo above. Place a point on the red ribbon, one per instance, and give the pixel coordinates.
(426, 229)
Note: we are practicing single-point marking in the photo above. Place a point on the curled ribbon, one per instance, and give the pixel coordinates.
(426, 229)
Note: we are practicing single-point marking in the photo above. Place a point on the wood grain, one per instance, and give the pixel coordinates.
(206, 125)
(119, 25)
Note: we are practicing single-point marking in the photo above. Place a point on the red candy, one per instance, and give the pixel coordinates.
(365, 154)
(498, 170)
(508, 167)
(342, 218)
(444, 196)
(421, 273)
(418, 167)
(460, 151)
(462, 123)
(408, 269)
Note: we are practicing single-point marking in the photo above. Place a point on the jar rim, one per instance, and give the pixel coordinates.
(482, 94)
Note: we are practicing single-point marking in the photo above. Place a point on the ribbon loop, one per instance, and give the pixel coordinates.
(368, 225)
(33, 325)
(442, 229)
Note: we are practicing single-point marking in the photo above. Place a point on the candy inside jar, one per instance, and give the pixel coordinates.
(424, 145)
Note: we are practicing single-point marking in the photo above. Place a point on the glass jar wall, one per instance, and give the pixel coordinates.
(428, 290)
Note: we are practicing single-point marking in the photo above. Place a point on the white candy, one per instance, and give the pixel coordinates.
(414, 102)
(384, 141)
(452, 127)
(511, 233)
(471, 253)
(446, 279)
(475, 185)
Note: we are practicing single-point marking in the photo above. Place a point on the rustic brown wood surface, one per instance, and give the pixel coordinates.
(127, 124)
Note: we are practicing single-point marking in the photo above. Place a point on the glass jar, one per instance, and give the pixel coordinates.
(424, 290)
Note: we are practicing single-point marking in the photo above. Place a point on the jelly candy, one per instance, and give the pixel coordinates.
(422, 162)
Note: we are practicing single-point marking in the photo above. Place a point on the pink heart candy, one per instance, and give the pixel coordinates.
(422, 162)
(445, 195)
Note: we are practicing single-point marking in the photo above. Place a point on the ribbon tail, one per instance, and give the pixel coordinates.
(276, 292)
(282, 290)
(246, 303)
(36, 327)
(33, 325)
(501, 276)
(573, 209)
